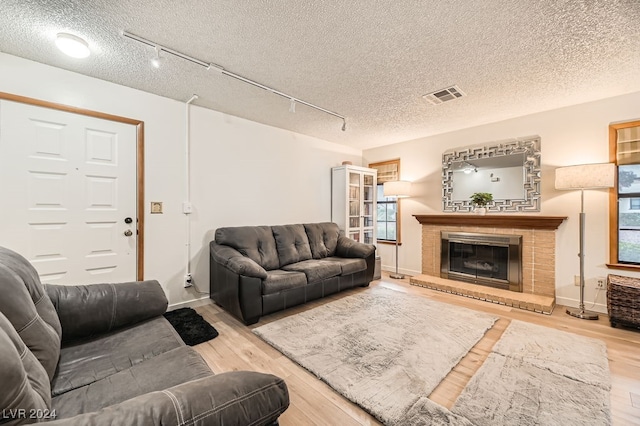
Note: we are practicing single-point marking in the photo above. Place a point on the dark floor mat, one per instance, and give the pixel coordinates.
(192, 328)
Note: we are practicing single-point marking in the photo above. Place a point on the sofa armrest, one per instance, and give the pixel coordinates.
(235, 261)
(234, 398)
(350, 248)
(86, 310)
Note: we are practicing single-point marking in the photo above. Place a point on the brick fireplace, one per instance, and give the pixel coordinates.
(538, 243)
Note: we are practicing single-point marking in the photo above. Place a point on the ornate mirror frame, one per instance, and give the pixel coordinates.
(529, 146)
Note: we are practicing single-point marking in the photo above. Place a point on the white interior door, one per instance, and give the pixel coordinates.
(67, 184)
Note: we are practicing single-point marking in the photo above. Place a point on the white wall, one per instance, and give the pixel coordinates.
(243, 173)
(248, 173)
(572, 135)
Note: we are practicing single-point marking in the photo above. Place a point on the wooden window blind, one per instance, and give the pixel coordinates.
(387, 170)
(628, 146)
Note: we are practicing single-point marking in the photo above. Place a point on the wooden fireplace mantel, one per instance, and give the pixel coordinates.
(492, 220)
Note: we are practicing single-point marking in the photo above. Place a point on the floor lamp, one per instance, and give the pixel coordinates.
(586, 176)
(398, 189)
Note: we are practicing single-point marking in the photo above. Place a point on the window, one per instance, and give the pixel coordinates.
(624, 218)
(388, 208)
(387, 216)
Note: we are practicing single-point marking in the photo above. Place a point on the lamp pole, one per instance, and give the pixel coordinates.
(580, 312)
(398, 189)
(397, 275)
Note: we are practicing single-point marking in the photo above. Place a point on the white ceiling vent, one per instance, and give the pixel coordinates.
(443, 95)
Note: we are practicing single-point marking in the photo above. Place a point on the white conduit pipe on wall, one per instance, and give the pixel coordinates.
(186, 206)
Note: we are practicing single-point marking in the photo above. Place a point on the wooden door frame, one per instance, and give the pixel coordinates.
(613, 198)
(139, 160)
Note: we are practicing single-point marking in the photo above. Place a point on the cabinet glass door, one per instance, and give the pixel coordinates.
(354, 207)
(354, 202)
(368, 207)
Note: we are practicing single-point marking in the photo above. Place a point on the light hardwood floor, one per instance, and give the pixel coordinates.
(315, 403)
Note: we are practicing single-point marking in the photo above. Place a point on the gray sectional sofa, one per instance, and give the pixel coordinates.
(257, 270)
(103, 354)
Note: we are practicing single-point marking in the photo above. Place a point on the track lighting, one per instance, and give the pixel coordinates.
(467, 168)
(157, 61)
(209, 66)
(73, 46)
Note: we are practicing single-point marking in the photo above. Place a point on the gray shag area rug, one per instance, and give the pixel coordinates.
(382, 349)
(539, 376)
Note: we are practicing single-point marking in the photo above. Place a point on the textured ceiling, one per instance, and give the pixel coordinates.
(370, 61)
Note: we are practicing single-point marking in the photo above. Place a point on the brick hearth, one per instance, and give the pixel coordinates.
(538, 257)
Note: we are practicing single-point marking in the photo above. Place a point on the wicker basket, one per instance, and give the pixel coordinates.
(623, 300)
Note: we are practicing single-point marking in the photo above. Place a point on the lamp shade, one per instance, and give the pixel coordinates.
(397, 188)
(586, 176)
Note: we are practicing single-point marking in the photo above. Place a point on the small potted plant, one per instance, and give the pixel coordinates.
(480, 200)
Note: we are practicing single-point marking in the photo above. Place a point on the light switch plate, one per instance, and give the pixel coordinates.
(156, 207)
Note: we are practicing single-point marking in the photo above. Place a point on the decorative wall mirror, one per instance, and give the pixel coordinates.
(509, 170)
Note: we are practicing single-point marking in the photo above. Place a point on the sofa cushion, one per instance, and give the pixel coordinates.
(279, 280)
(292, 243)
(255, 242)
(92, 360)
(323, 238)
(24, 381)
(349, 266)
(28, 308)
(158, 373)
(316, 269)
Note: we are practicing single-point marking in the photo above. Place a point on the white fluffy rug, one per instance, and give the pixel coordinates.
(382, 349)
(540, 376)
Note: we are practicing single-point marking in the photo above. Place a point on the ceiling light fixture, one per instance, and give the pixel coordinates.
(157, 61)
(73, 46)
(228, 73)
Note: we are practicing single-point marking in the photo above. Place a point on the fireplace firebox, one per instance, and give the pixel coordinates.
(492, 260)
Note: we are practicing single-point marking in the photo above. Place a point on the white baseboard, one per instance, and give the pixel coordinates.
(202, 300)
(392, 269)
(589, 306)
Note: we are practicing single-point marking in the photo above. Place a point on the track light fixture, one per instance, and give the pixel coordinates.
(157, 61)
(467, 168)
(228, 73)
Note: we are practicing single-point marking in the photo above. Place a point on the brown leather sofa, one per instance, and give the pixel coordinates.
(258, 270)
(103, 354)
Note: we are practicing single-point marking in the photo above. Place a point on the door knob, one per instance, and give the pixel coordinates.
(128, 220)
(128, 233)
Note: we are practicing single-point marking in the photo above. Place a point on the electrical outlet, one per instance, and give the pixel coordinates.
(600, 282)
(188, 281)
(576, 280)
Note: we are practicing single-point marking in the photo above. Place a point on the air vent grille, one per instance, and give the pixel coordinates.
(444, 95)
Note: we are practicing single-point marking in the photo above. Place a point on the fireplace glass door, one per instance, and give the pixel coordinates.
(492, 260)
(479, 261)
